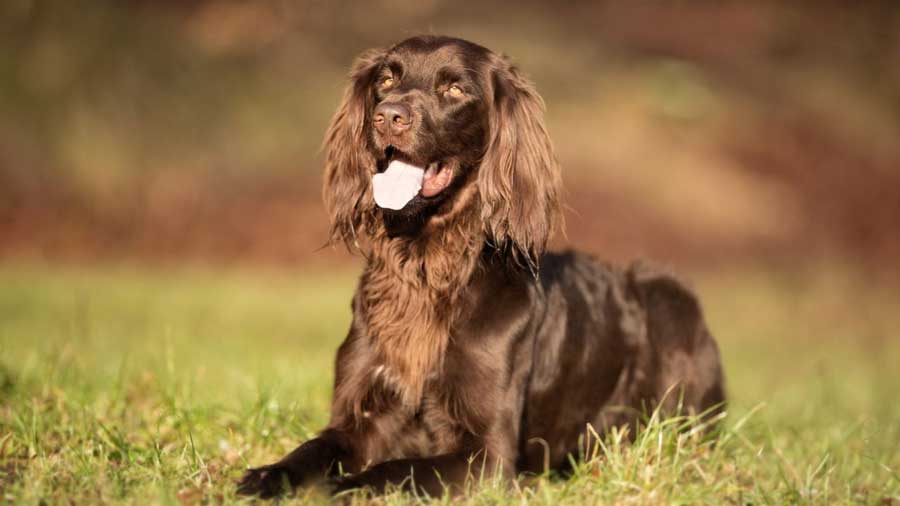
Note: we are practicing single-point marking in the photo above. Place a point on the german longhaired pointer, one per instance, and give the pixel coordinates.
(473, 352)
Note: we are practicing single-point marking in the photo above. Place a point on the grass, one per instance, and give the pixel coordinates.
(128, 386)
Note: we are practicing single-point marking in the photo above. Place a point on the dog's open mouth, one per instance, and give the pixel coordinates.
(437, 175)
(400, 180)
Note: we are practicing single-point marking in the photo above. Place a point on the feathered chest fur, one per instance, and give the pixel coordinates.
(410, 293)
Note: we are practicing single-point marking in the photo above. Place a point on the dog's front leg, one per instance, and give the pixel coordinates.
(314, 459)
(429, 475)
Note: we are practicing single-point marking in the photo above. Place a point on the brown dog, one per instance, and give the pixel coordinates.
(467, 340)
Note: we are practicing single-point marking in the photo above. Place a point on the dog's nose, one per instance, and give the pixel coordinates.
(394, 116)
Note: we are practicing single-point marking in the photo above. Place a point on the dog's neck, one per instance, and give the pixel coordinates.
(412, 293)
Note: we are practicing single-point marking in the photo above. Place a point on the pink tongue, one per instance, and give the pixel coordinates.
(397, 185)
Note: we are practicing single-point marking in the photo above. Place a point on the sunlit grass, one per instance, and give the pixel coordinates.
(125, 386)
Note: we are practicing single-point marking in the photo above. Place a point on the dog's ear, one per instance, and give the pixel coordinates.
(349, 165)
(519, 178)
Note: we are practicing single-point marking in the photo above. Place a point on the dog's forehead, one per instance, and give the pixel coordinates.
(428, 55)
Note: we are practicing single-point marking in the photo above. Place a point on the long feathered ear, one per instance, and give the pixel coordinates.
(519, 178)
(348, 163)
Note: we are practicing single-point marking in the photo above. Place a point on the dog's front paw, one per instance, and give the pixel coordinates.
(266, 481)
(344, 484)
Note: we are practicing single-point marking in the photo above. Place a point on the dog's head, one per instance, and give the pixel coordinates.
(470, 123)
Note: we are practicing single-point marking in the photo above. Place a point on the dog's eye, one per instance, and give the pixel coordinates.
(386, 82)
(454, 91)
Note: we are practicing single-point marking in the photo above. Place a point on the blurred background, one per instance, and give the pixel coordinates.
(701, 135)
(168, 315)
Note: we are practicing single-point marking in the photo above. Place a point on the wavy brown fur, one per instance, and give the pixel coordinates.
(409, 293)
(520, 179)
(349, 165)
(462, 348)
(410, 285)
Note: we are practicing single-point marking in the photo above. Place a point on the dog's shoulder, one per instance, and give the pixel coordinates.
(571, 265)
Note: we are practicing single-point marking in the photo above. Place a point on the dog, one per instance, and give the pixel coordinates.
(472, 351)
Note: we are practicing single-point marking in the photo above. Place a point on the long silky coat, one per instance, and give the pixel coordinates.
(472, 351)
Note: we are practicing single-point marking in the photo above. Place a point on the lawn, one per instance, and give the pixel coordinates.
(127, 385)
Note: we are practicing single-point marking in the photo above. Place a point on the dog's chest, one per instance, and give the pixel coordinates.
(428, 427)
(388, 378)
(407, 337)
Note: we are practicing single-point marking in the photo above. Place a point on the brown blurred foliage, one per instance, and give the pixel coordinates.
(702, 134)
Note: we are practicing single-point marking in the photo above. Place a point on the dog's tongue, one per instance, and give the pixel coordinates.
(397, 185)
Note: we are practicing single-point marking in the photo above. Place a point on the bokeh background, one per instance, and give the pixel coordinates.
(699, 135)
(168, 315)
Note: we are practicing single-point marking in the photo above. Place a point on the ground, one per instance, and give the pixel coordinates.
(128, 385)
